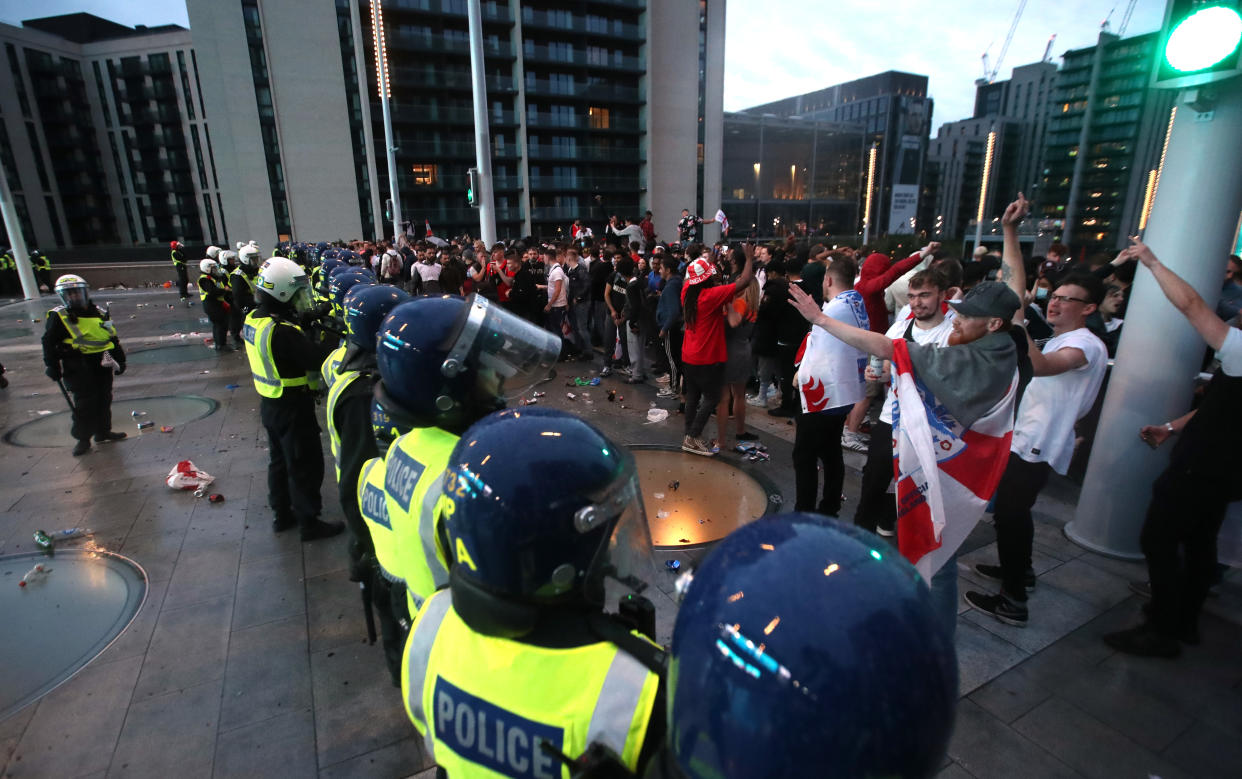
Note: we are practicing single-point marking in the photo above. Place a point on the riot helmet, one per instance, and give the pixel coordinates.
(445, 361)
(544, 530)
(366, 306)
(74, 292)
(284, 281)
(801, 643)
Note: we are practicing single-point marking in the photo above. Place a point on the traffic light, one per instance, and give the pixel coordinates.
(388, 210)
(472, 187)
(1199, 43)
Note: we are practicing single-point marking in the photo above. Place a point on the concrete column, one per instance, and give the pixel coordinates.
(1191, 229)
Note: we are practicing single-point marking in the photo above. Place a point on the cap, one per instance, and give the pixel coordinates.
(987, 299)
(700, 271)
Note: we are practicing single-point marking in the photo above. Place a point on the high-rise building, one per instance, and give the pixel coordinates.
(896, 114)
(1105, 136)
(960, 154)
(103, 134)
(596, 109)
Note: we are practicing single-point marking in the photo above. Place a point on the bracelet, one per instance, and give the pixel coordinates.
(1169, 426)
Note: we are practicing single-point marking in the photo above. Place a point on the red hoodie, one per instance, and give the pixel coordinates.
(877, 273)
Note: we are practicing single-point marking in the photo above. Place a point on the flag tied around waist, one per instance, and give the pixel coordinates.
(946, 472)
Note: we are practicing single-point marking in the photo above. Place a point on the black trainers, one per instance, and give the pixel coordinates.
(994, 572)
(109, 436)
(82, 447)
(1142, 641)
(999, 606)
(283, 523)
(317, 528)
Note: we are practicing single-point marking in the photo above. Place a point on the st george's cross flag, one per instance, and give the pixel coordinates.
(947, 465)
(723, 220)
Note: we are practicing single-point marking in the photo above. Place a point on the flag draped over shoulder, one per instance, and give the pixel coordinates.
(947, 463)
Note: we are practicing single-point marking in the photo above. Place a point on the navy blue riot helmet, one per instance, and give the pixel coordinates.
(446, 362)
(544, 529)
(341, 283)
(366, 306)
(805, 647)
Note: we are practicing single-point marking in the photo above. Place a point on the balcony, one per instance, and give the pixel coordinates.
(425, 78)
(613, 28)
(572, 56)
(596, 93)
(456, 8)
(435, 151)
(586, 153)
(432, 44)
(583, 184)
(580, 122)
(453, 182)
(416, 114)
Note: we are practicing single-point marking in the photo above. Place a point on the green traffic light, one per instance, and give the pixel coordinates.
(1203, 39)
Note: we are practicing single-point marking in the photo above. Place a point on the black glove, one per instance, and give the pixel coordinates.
(53, 373)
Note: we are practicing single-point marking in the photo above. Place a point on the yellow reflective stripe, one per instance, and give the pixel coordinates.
(618, 703)
(417, 659)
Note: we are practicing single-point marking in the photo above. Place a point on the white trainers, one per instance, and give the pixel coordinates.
(756, 401)
(695, 446)
(663, 379)
(856, 442)
(665, 392)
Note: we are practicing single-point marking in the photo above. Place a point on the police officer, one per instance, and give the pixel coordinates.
(330, 323)
(353, 443)
(241, 289)
(42, 269)
(178, 261)
(517, 662)
(8, 271)
(213, 290)
(823, 647)
(284, 365)
(444, 363)
(80, 345)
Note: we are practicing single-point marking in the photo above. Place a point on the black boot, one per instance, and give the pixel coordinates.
(84, 446)
(109, 436)
(316, 528)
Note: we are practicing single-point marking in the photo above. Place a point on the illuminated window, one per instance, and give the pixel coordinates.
(425, 175)
(599, 118)
(1097, 194)
(1101, 163)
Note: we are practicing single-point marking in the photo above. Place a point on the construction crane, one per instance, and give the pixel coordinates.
(1048, 49)
(1125, 20)
(989, 73)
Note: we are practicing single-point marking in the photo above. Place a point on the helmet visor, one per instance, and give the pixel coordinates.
(510, 354)
(625, 565)
(73, 295)
(301, 300)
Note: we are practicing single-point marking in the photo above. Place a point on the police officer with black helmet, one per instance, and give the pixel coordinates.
(517, 667)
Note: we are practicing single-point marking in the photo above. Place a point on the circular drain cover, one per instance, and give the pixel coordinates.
(56, 625)
(53, 429)
(192, 350)
(712, 497)
(14, 332)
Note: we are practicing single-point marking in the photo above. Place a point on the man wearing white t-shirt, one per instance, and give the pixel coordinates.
(558, 297)
(925, 324)
(1068, 372)
(830, 378)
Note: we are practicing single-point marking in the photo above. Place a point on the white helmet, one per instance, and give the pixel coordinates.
(248, 256)
(240, 244)
(73, 291)
(210, 267)
(213, 252)
(285, 281)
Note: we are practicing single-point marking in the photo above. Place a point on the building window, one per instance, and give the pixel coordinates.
(599, 118)
(425, 175)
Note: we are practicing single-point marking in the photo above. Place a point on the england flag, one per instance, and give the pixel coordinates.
(946, 472)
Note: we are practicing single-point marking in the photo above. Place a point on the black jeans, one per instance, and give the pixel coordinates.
(90, 384)
(877, 507)
(672, 351)
(1184, 517)
(703, 386)
(219, 319)
(295, 471)
(785, 354)
(1015, 530)
(183, 280)
(818, 439)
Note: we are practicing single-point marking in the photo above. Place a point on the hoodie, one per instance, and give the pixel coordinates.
(877, 272)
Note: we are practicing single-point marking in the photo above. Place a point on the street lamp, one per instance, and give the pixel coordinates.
(382, 85)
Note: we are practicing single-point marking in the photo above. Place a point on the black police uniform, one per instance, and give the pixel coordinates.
(88, 380)
(215, 295)
(183, 279)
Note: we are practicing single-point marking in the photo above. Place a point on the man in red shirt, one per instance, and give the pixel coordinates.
(703, 352)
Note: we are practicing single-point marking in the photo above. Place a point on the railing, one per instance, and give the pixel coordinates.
(424, 113)
(580, 122)
(434, 150)
(601, 92)
(431, 43)
(431, 78)
(580, 57)
(579, 24)
(627, 154)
